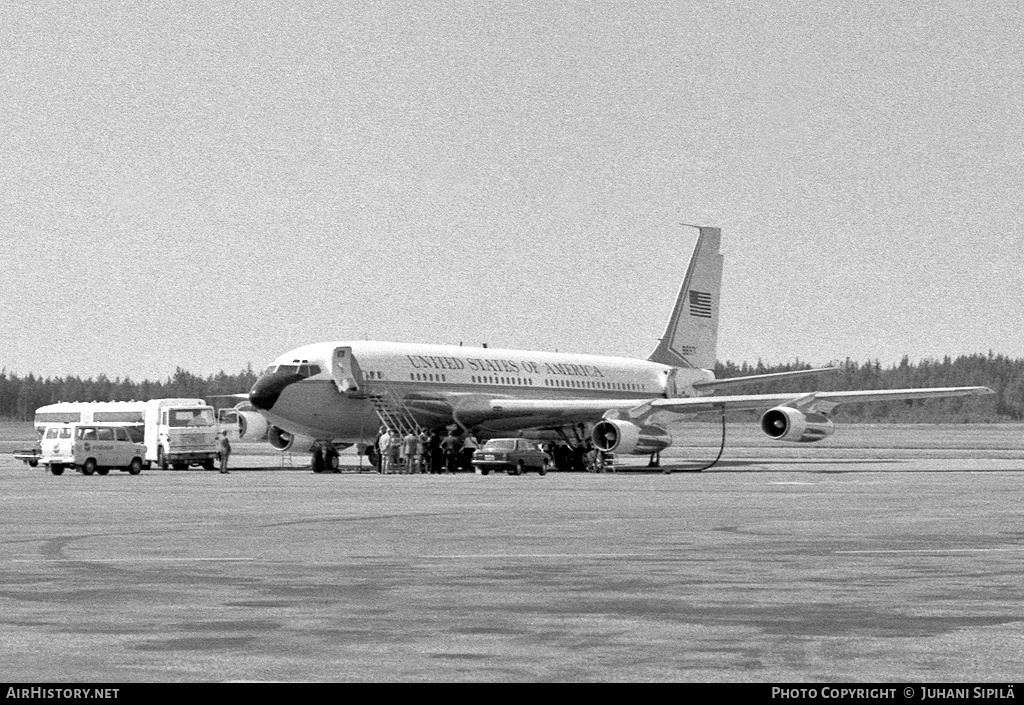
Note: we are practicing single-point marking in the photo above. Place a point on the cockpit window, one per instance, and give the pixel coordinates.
(304, 370)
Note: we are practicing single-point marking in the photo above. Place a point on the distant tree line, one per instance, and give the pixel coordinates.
(21, 396)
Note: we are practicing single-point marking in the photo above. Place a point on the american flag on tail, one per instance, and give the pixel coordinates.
(700, 304)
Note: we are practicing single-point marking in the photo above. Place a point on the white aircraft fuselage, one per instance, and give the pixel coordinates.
(305, 391)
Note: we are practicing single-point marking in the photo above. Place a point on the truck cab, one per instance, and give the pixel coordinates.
(185, 434)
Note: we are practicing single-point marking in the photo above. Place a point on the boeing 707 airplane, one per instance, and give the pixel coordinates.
(345, 391)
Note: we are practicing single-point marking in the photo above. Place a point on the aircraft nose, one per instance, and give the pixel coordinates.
(268, 388)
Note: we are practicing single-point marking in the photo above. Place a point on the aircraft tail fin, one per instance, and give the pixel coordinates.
(691, 337)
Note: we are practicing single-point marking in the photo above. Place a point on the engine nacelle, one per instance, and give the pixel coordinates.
(252, 426)
(784, 423)
(284, 441)
(615, 436)
(242, 423)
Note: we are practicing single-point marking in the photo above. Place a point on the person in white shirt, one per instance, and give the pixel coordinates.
(382, 445)
(469, 446)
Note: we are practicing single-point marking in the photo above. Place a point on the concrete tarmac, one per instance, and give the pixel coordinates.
(768, 569)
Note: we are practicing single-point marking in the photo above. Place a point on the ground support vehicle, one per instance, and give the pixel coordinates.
(100, 448)
(177, 432)
(181, 432)
(513, 455)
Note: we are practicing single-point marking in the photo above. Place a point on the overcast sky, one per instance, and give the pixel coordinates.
(208, 184)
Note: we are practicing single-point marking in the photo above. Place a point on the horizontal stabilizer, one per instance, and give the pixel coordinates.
(718, 384)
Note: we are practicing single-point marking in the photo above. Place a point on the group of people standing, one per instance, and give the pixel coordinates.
(420, 451)
(427, 452)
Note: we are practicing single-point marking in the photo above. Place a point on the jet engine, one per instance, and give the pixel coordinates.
(784, 423)
(284, 441)
(615, 436)
(242, 423)
(251, 426)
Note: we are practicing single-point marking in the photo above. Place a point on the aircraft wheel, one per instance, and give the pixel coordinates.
(316, 462)
(136, 467)
(57, 469)
(90, 467)
(33, 463)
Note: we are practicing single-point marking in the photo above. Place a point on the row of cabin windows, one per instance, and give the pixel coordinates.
(427, 377)
(596, 384)
(528, 381)
(475, 379)
(522, 381)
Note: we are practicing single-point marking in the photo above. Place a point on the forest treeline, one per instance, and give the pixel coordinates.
(21, 396)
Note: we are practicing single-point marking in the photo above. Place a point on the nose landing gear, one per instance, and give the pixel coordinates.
(325, 458)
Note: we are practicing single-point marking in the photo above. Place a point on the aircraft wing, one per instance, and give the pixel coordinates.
(823, 402)
(561, 411)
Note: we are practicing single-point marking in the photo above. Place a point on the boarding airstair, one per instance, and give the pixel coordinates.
(392, 411)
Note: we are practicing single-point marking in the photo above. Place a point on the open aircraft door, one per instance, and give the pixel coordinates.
(346, 372)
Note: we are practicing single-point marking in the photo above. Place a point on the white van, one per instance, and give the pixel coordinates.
(99, 447)
(55, 446)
